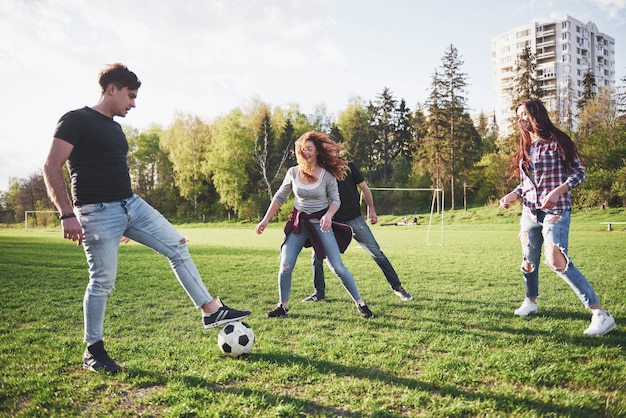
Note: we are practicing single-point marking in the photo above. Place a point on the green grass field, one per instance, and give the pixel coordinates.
(456, 350)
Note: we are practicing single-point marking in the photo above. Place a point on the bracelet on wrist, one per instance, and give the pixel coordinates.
(67, 216)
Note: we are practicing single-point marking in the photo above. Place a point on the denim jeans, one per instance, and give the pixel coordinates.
(551, 230)
(289, 254)
(104, 224)
(363, 235)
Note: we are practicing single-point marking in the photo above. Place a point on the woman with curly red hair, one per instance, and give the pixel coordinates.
(314, 185)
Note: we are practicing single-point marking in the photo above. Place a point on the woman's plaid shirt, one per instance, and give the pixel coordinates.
(547, 172)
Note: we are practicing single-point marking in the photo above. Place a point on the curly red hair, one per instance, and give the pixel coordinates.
(329, 155)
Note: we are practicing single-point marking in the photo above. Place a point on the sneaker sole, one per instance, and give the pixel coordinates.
(224, 321)
(528, 314)
(313, 300)
(103, 369)
(609, 329)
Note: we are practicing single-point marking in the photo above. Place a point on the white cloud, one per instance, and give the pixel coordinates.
(612, 7)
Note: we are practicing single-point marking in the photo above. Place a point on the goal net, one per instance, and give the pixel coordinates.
(436, 202)
(41, 219)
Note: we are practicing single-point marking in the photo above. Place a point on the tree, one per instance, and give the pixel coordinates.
(353, 124)
(187, 142)
(432, 151)
(469, 151)
(143, 158)
(269, 157)
(320, 120)
(601, 142)
(404, 131)
(452, 89)
(32, 195)
(391, 125)
(527, 85)
(382, 114)
(150, 169)
(230, 153)
(589, 86)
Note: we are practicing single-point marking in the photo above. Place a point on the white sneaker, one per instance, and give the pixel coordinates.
(526, 309)
(601, 323)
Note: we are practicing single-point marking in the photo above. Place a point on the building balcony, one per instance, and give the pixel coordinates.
(546, 44)
(546, 32)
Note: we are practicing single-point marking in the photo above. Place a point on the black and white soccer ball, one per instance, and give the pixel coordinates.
(235, 339)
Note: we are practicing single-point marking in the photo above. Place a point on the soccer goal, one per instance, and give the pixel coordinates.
(436, 201)
(40, 219)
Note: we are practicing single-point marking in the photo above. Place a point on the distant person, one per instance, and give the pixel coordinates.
(314, 184)
(350, 213)
(105, 211)
(549, 166)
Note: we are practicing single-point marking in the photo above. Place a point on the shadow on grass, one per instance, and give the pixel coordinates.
(310, 407)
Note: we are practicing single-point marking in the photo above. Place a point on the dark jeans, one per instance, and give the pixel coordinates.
(363, 235)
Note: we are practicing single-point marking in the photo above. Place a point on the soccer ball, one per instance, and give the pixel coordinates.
(235, 339)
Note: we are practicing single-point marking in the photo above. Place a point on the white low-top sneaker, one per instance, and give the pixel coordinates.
(601, 323)
(526, 309)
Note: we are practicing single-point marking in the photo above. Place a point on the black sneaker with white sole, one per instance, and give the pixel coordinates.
(278, 312)
(97, 359)
(223, 315)
(364, 311)
(403, 294)
(315, 297)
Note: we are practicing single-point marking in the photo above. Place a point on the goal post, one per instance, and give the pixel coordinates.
(437, 196)
(50, 216)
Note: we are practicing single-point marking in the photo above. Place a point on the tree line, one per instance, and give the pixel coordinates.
(229, 168)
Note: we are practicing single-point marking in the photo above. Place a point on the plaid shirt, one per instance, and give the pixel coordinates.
(548, 171)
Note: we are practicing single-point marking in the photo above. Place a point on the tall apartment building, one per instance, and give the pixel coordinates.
(565, 49)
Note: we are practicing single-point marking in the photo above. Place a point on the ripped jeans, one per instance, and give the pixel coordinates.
(104, 224)
(551, 231)
(290, 250)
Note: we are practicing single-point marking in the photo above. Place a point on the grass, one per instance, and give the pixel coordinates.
(456, 350)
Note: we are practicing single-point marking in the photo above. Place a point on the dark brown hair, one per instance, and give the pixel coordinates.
(119, 75)
(329, 155)
(541, 126)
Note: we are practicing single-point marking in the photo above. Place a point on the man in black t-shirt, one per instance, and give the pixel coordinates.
(104, 210)
(350, 213)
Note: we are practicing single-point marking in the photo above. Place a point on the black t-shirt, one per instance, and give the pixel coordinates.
(350, 197)
(97, 165)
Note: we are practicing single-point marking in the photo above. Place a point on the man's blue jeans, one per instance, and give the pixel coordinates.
(104, 224)
(289, 254)
(363, 235)
(550, 230)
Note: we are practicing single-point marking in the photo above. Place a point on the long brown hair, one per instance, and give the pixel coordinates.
(541, 126)
(329, 155)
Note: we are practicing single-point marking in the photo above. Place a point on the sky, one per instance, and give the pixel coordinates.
(208, 57)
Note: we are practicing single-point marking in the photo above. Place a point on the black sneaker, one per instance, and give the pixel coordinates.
(315, 297)
(96, 359)
(223, 315)
(403, 294)
(365, 311)
(278, 312)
